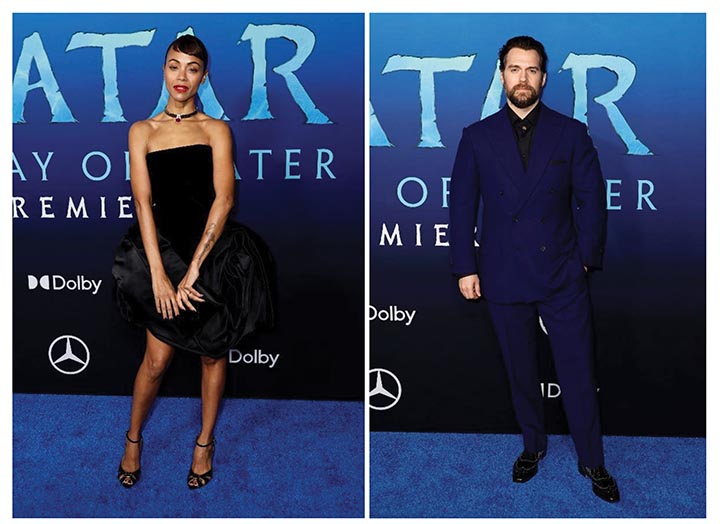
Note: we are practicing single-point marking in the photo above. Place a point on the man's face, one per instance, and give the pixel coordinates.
(522, 78)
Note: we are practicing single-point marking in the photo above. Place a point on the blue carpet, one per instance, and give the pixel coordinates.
(274, 458)
(469, 475)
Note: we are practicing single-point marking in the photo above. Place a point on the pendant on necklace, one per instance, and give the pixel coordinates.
(178, 117)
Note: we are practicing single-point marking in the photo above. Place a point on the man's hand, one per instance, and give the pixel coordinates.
(470, 286)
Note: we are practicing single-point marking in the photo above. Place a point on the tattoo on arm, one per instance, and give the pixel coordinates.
(209, 241)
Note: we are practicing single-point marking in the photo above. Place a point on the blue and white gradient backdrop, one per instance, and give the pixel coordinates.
(638, 82)
(291, 89)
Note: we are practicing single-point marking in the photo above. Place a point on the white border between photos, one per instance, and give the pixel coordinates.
(711, 7)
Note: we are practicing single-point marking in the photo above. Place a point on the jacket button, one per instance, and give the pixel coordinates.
(516, 219)
(543, 248)
(542, 220)
(501, 193)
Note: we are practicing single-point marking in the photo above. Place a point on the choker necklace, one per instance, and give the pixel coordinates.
(178, 117)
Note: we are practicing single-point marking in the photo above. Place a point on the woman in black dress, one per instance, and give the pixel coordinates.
(193, 279)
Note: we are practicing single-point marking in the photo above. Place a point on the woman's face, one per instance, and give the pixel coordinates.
(183, 75)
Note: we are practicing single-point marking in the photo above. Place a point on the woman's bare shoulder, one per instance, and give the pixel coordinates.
(216, 129)
(141, 130)
(213, 124)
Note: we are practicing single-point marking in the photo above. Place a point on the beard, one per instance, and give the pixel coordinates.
(522, 101)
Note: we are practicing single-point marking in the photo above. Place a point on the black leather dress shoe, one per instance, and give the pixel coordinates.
(603, 485)
(526, 465)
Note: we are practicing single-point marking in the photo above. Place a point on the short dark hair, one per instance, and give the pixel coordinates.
(190, 45)
(527, 43)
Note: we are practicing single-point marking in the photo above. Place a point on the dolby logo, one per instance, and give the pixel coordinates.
(60, 283)
(392, 314)
(255, 357)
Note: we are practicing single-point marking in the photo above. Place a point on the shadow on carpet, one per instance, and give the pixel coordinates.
(469, 475)
(274, 458)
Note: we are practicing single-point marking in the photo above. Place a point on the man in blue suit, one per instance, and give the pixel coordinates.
(542, 227)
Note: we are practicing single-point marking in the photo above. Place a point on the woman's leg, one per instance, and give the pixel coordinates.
(158, 355)
(213, 386)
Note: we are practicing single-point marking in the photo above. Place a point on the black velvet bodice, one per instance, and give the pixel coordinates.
(181, 179)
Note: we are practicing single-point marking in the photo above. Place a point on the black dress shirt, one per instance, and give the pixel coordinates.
(524, 130)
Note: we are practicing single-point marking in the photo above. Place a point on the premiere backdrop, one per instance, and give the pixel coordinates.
(291, 89)
(638, 82)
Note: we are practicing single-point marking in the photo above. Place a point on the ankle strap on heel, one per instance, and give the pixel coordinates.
(212, 442)
(127, 436)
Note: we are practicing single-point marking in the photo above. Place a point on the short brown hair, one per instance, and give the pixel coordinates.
(190, 45)
(528, 43)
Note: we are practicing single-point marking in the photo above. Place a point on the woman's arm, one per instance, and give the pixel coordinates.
(163, 290)
(224, 185)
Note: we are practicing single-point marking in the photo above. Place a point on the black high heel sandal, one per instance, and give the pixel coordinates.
(201, 480)
(129, 478)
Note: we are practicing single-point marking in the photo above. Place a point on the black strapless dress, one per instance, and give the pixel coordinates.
(236, 279)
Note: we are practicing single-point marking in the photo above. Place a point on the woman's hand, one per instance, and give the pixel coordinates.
(185, 291)
(166, 303)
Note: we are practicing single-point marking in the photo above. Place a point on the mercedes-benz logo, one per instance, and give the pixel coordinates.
(384, 394)
(69, 355)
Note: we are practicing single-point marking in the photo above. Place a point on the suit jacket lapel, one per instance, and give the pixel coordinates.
(545, 140)
(502, 140)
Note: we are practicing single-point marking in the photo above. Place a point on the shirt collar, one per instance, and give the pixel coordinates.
(531, 118)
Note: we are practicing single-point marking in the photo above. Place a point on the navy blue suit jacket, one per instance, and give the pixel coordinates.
(539, 227)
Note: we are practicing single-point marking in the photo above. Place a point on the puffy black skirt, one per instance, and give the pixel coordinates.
(237, 281)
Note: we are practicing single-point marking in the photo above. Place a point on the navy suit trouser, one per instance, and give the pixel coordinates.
(567, 319)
